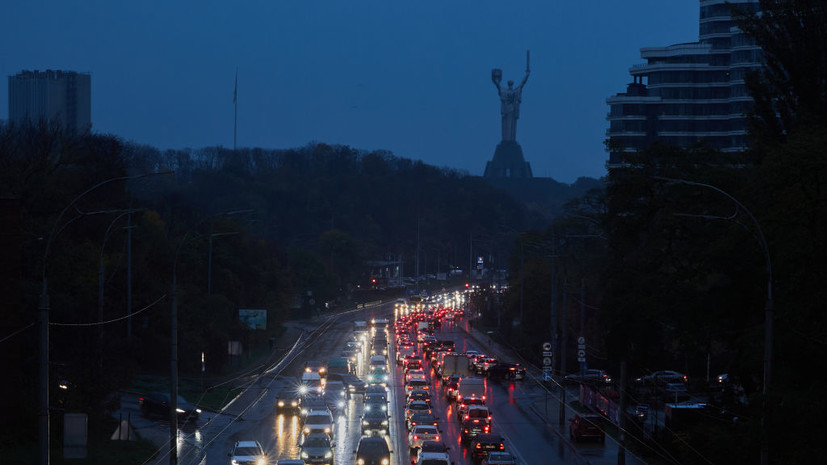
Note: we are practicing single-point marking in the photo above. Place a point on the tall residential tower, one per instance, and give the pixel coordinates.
(63, 97)
(691, 92)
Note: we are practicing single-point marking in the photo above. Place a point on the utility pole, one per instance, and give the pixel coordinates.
(563, 354)
(583, 323)
(522, 274)
(621, 444)
(555, 347)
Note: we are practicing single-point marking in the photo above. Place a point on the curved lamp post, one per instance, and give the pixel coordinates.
(43, 320)
(768, 308)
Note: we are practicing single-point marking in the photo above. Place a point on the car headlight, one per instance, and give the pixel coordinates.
(304, 455)
(327, 430)
(180, 411)
(366, 423)
(294, 404)
(384, 422)
(360, 461)
(281, 403)
(198, 411)
(234, 462)
(385, 461)
(328, 454)
(261, 461)
(307, 431)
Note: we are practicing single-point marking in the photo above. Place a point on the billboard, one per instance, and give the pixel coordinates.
(254, 318)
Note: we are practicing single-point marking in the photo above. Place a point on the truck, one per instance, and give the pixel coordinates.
(452, 364)
(338, 365)
(423, 325)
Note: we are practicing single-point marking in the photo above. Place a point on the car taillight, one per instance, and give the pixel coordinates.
(502, 446)
(436, 438)
(416, 437)
(487, 429)
(465, 430)
(478, 446)
(483, 398)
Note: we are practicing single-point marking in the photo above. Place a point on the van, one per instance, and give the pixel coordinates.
(311, 383)
(471, 388)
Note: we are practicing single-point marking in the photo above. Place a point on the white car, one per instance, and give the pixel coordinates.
(420, 434)
(247, 453)
(318, 421)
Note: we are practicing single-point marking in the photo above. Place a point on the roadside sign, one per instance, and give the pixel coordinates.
(547, 354)
(581, 353)
(546, 347)
(546, 361)
(581, 340)
(546, 376)
(581, 359)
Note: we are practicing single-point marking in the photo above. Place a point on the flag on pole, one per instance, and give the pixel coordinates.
(235, 89)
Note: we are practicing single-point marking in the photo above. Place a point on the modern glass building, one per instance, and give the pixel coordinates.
(691, 92)
(63, 97)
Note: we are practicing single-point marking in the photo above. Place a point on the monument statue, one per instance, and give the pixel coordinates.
(510, 100)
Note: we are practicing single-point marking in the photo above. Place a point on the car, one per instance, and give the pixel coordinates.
(483, 444)
(662, 377)
(432, 458)
(416, 384)
(433, 446)
(317, 448)
(451, 387)
(419, 394)
(375, 420)
(247, 453)
(352, 382)
(500, 458)
(311, 402)
(477, 411)
(586, 426)
(335, 393)
(417, 373)
(379, 375)
(288, 401)
(422, 419)
(318, 421)
(462, 407)
(158, 403)
(415, 364)
(421, 433)
(590, 375)
(506, 371)
(373, 450)
(416, 406)
(471, 427)
(481, 364)
(315, 366)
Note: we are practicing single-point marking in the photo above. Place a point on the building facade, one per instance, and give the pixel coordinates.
(63, 97)
(691, 92)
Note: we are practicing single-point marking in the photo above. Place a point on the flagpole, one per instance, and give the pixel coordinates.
(235, 109)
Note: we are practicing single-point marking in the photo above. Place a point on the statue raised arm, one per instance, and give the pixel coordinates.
(510, 99)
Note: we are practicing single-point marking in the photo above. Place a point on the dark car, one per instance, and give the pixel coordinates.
(353, 383)
(506, 370)
(373, 450)
(433, 446)
(473, 427)
(317, 449)
(422, 419)
(451, 387)
(288, 401)
(312, 402)
(375, 420)
(586, 426)
(484, 443)
(158, 403)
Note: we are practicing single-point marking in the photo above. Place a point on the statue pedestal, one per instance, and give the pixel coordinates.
(508, 162)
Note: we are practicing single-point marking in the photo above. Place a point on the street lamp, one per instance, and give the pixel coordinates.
(768, 306)
(43, 320)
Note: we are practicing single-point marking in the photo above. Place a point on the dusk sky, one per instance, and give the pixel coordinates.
(410, 77)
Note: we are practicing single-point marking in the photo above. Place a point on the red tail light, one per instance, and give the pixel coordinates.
(483, 397)
(436, 438)
(416, 437)
(502, 446)
(478, 445)
(487, 429)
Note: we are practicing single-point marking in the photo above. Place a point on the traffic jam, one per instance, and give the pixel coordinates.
(402, 359)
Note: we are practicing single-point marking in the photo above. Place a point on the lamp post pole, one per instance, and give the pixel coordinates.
(768, 311)
(43, 323)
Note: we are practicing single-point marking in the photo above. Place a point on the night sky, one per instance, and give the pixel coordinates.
(411, 77)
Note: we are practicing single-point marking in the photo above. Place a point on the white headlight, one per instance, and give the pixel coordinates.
(366, 423)
(304, 455)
